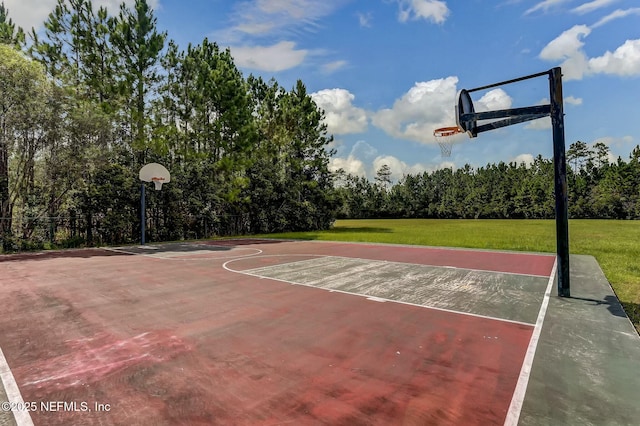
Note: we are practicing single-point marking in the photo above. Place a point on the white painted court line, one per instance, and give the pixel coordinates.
(22, 417)
(366, 296)
(513, 415)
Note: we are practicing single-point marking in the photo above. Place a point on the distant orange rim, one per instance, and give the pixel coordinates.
(446, 131)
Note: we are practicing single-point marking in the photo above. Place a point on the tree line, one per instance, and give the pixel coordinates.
(93, 97)
(597, 188)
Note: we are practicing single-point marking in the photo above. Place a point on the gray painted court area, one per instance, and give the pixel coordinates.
(587, 366)
(510, 297)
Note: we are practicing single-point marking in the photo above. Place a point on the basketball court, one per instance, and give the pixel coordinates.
(277, 332)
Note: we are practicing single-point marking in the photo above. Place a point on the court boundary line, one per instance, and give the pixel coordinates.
(371, 243)
(519, 394)
(369, 296)
(21, 417)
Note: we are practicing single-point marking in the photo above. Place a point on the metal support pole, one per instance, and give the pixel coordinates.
(560, 181)
(142, 213)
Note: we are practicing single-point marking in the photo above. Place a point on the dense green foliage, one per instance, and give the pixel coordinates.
(95, 97)
(597, 189)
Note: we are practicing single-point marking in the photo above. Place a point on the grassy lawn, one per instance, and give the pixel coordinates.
(615, 244)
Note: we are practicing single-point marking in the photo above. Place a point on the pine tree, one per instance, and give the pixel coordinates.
(8, 32)
(138, 45)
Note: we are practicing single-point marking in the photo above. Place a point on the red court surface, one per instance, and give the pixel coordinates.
(167, 335)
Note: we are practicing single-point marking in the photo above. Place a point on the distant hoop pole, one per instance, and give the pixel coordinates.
(158, 174)
(143, 213)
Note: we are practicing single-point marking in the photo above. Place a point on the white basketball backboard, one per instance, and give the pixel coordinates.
(156, 173)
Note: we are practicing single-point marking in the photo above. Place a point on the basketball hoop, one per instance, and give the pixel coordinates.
(156, 173)
(445, 140)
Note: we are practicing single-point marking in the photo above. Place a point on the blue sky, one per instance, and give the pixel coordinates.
(387, 71)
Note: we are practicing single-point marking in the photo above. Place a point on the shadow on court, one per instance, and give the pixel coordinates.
(150, 248)
(612, 303)
(61, 254)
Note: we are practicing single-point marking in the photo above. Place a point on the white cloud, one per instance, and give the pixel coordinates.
(398, 167)
(350, 165)
(566, 44)
(354, 163)
(567, 47)
(527, 159)
(573, 100)
(278, 57)
(32, 13)
(545, 6)
(624, 61)
(591, 6)
(334, 66)
(429, 10)
(253, 20)
(341, 116)
(425, 107)
(493, 100)
(364, 160)
(266, 17)
(364, 19)
(624, 143)
(364, 151)
(617, 14)
(543, 123)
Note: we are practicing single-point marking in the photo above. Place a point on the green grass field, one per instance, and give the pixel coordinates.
(615, 244)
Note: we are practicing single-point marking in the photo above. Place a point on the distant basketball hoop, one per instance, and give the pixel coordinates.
(158, 174)
(445, 139)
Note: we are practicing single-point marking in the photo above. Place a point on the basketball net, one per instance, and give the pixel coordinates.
(445, 139)
(157, 181)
